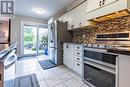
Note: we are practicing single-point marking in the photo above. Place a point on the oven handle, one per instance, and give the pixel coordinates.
(108, 69)
(14, 59)
(96, 50)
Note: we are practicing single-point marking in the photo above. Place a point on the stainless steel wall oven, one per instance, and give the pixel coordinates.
(99, 68)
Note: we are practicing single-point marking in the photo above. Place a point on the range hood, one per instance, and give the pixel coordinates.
(117, 14)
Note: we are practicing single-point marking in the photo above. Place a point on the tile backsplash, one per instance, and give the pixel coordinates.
(115, 25)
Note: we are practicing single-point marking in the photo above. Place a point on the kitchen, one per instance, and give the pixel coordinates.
(91, 39)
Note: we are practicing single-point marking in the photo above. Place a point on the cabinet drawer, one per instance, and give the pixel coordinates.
(78, 67)
(78, 47)
(79, 59)
(77, 53)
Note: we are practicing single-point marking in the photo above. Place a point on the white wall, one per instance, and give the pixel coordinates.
(16, 28)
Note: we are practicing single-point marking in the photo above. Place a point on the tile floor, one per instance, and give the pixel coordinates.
(59, 76)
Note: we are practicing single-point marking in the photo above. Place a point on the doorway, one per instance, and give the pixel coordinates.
(35, 39)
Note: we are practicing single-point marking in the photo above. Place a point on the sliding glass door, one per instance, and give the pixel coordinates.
(35, 39)
(30, 40)
(43, 40)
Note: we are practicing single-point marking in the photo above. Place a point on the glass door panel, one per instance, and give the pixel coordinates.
(43, 40)
(30, 39)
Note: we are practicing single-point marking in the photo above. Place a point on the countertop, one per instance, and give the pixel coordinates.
(125, 51)
(119, 51)
(6, 51)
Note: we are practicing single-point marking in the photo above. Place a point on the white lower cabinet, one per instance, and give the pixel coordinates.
(68, 55)
(72, 57)
(78, 67)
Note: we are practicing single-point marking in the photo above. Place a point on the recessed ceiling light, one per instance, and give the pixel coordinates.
(39, 10)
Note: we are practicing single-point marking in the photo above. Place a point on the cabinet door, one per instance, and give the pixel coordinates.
(72, 19)
(71, 55)
(93, 4)
(78, 67)
(106, 2)
(68, 55)
(65, 17)
(60, 18)
(65, 54)
(81, 14)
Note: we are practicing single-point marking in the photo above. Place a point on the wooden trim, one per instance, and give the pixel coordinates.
(9, 37)
(106, 17)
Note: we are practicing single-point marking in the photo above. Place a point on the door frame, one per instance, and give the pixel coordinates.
(22, 37)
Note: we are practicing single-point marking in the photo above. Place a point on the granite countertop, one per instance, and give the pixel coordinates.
(119, 51)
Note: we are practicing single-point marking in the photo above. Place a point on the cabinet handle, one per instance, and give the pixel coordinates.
(78, 53)
(78, 64)
(72, 26)
(100, 3)
(78, 59)
(67, 46)
(0, 77)
(78, 47)
(103, 2)
(80, 24)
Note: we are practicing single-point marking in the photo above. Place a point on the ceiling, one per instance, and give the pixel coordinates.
(24, 7)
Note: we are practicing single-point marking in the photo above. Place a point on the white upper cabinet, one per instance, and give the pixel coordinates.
(110, 6)
(106, 2)
(60, 18)
(81, 14)
(63, 18)
(77, 16)
(95, 4)
(72, 19)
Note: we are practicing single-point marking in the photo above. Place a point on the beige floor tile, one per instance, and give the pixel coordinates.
(59, 76)
(73, 74)
(58, 71)
(72, 83)
(43, 84)
(48, 73)
(53, 81)
(60, 85)
(64, 77)
(84, 86)
(39, 76)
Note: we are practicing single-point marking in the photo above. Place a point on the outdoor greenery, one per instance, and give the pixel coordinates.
(30, 39)
(28, 36)
(44, 40)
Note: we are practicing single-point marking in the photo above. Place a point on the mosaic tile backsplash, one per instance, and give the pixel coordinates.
(87, 35)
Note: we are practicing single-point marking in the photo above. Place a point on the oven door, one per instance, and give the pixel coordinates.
(95, 55)
(96, 77)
